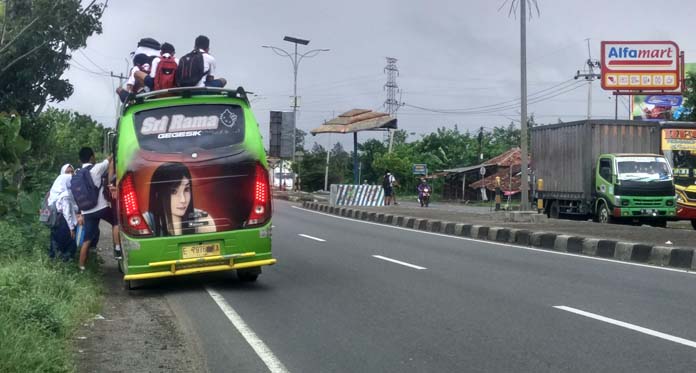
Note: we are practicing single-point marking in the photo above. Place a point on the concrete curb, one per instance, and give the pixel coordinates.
(663, 256)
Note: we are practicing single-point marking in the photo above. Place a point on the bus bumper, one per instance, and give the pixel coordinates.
(199, 265)
(686, 212)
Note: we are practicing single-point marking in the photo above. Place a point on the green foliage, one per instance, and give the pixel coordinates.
(13, 241)
(690, 98)
(57, 136)
(444, 148)
(13, 147)
(41, 304)
(35, 45)
(300, 136)
(32, 152)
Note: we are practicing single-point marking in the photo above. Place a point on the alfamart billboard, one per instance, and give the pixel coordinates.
(640, 65)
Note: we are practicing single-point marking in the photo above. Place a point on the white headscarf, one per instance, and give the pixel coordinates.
(60, 188)
(65, 167)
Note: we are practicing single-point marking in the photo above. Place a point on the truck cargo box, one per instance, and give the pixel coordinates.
(564, 154)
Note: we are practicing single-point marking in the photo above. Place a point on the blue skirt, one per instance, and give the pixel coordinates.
(62, 245)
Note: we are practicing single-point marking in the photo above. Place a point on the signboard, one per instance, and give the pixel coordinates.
(678, 139)
(420, 169)
(282, 127)
(661, 107)
(640, 65)
(482, 171)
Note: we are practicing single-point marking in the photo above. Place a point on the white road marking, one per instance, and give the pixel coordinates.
(505, 244)
(311, 237)
(626, 325)
(265, 353)
(398, 262)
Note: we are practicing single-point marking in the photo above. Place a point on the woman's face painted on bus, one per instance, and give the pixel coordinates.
(181, 197)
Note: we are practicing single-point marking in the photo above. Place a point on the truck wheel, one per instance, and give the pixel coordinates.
(603, 214)
(248, 274)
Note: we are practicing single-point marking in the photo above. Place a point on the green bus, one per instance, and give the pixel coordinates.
(193, 186)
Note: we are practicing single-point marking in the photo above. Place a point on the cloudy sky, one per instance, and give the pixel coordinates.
(451, 55)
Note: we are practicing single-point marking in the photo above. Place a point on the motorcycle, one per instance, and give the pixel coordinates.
(425, 197)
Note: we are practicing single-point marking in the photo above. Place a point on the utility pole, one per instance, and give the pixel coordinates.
(391, 103)
(121, 80)
(590, 76)
(480, 141)
(524, 183)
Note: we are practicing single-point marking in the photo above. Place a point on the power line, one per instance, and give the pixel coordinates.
(93, 63)
(507, 102)
(545, 97)
(78, 66)
(550, 93)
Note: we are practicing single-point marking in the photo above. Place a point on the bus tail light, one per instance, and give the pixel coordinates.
(133, 221)
(261, 206)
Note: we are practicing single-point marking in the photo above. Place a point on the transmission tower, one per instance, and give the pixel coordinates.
(392, 104)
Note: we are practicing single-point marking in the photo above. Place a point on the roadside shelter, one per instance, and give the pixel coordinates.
(354, 121)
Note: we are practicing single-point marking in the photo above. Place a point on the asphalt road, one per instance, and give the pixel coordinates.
(350, 296)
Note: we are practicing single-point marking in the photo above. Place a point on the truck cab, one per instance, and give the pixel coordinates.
(634, 187)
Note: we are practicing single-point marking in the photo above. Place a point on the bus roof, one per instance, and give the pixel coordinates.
(185, 92)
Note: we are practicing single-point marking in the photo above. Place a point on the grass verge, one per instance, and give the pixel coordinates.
(42, 302)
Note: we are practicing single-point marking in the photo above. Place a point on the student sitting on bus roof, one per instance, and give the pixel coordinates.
(141, 63)
(162, 73)
(197, 68)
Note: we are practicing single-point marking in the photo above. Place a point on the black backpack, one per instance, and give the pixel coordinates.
(385, 183)
(190, 70)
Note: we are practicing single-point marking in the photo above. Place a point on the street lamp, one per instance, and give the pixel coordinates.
(295, 59)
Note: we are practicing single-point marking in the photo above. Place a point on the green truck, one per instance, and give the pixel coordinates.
(607, 170)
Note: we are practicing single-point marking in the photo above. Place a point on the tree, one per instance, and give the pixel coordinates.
(340, 166)
(300, 136)
(56, 137)
(368, 151)
(36, 39)
(689, 99)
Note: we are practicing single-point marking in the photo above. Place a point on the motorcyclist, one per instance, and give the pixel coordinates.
(421, 187)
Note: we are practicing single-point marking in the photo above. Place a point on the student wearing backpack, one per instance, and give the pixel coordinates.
(86, 187)
(163, 71)
(62, 243)
(141, 64)
(197, 68)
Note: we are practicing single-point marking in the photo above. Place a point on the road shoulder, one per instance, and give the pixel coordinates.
(135, 332)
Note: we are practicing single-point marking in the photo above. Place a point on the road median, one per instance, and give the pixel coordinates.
(562, 237)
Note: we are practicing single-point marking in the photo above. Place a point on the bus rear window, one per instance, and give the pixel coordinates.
(182, 128)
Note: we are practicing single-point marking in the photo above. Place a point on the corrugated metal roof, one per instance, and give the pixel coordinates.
(510, 157)
(357, 120)
(464, 169)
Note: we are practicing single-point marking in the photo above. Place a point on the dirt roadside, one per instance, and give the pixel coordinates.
(136, 332)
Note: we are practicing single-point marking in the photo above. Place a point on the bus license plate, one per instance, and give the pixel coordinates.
(199, 251)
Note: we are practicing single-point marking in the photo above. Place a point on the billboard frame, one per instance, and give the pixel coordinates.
(678, 90)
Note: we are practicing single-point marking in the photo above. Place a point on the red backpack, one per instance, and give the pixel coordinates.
(165, 74)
